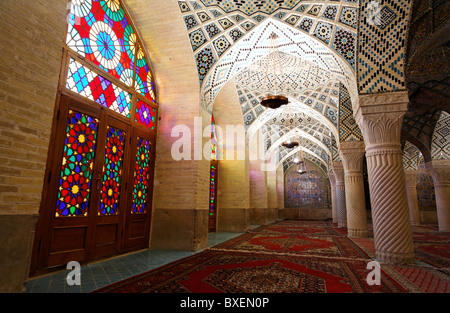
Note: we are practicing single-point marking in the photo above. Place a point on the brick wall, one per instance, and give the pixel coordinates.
(31, 33)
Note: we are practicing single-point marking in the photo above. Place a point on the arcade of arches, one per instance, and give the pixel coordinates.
(128, 124)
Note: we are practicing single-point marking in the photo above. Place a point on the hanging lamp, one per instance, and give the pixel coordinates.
(277, 100)
(301, 164)
(290, 143)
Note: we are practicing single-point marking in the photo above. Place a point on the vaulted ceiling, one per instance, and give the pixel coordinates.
(317, 40)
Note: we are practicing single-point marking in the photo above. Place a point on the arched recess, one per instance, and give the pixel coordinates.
(306, 196)
(97, 195)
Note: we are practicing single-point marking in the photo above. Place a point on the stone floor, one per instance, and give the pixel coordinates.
(99, 274)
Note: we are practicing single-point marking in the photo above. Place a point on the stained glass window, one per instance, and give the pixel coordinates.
(145, 114)
(144, 80)
(213, 139)
(141, 176)
(77, 165)
(92, 86)
(212, 196)
(112, 171)
(99, 31)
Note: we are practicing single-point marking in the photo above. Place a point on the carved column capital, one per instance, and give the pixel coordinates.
(380, 118)
(338, 170)
(352, 156)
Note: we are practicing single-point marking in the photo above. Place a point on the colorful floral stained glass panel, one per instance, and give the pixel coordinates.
(112, 172)
(141, 177)
(77, 165)
(100, 31)
(144, 79)
(145, 114)
(85, 82)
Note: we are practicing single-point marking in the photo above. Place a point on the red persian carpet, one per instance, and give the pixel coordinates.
(293, 256)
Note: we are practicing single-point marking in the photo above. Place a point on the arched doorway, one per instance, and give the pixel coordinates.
(97, 196)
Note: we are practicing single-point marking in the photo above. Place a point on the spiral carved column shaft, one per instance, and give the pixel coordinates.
(411, 194)
(352, 155)
(440, 171)
(380, 118)
(341, 208)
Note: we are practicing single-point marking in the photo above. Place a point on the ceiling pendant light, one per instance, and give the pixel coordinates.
(290, 143)
(277, 100)
(301, 164)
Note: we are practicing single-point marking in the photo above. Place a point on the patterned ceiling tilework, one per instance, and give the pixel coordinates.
(411, 156)
(288, 161)
(440, 147)
(382, 33)
(349, 16)
(197, 39)
(427, 18)
(221, 44)
(344, 42)
(306, 144)
(348, 128)
(250, 7)
(298, 127)
(302, 81)
(319, 19)
(205, 59)
(324, 31)
(421, 124)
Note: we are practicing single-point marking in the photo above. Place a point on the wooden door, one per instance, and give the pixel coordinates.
(88, 199)
(140, 193)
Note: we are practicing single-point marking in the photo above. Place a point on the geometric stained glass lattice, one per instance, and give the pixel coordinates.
(141, 177)
(77, 165)
(100, 31)
(145, 114)
(112, 172)
(92, 86)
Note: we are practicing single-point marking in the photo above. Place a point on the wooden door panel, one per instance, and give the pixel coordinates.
(140, 193)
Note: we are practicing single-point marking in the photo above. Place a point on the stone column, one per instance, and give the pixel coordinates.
(333, 196)
(411, 194)
(352, 156)
(380, 118)
(440, 171)
(338, 171)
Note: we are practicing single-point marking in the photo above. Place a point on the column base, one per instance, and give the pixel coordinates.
(444, 229)
(358, 233)
(395, 257)
(342, 224)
